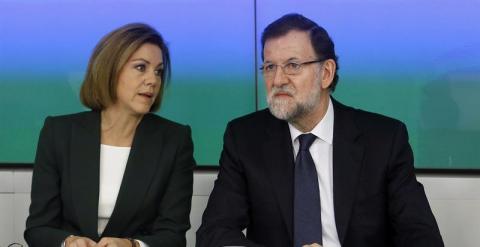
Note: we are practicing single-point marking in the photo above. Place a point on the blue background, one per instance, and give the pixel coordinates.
(415, 61)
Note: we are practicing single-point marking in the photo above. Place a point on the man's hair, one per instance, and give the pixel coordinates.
(99, 88)
(321, 41)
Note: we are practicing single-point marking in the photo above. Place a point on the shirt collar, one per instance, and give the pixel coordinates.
(323, 130)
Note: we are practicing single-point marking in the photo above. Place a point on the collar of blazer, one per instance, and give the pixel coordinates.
(84, 173)
(347, 161)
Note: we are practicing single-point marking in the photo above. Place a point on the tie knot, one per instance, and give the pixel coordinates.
(306, 141)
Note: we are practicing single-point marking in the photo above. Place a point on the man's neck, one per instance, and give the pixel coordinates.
(308, 121)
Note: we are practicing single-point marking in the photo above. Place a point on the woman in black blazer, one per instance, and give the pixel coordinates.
(117, 175)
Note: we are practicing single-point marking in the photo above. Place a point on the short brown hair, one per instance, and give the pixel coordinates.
(99, 88)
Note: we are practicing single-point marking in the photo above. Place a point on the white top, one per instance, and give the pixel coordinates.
(322, 154)
(113, 161)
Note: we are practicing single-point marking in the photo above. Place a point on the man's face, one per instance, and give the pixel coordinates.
(291, 97)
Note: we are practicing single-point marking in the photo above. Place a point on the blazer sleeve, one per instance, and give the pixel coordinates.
(227, 212)
(173, 218)
(43, 226)
(411, 217)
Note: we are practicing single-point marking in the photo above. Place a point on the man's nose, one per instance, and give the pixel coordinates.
(280, 78)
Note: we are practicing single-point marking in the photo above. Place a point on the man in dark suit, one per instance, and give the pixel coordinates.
(310, 171)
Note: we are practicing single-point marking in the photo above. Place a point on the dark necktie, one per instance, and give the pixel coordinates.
(307, 214)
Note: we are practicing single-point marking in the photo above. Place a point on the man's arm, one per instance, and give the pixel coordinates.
(410, 214)
(227, 210)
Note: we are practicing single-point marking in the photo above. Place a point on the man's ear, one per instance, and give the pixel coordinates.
(329, 67)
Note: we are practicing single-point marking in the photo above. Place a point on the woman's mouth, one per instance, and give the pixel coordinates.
(146, 94)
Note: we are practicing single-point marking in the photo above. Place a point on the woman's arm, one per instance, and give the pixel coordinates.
(173, 213)
(44, 221)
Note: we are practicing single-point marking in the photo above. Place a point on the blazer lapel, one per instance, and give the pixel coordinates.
(84, 171)
(279, 163)
(347, 162)
(138, 174)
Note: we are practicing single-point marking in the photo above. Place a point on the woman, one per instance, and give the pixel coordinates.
(117, 175)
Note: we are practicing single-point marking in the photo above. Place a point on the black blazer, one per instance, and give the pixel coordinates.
(377, 199)
(154, 200)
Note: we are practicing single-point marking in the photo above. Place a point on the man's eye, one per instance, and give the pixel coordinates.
(140, 67)
(269, 67)
(292, 66)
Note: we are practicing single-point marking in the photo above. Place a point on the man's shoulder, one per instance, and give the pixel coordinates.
(367, 117)
(366, 120)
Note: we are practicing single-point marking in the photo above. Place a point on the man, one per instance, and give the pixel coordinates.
(310, 171)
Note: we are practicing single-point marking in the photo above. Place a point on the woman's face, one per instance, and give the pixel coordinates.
(139, 80)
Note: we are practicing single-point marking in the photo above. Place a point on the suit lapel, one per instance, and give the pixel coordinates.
(84, 171)
(138, 175)
(279, 162)
(347, 162)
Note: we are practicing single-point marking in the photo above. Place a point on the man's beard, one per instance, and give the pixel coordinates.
(289, 109)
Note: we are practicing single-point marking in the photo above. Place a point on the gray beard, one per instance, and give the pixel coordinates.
(290, 112)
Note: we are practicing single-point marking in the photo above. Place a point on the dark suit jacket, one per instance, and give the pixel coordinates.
(154, 200)
(377, 199)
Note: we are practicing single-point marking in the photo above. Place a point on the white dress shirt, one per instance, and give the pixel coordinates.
(322, 154)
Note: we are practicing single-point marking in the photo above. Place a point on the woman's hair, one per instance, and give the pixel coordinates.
(99, 88)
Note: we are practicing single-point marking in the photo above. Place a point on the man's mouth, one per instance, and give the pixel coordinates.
(282, 94)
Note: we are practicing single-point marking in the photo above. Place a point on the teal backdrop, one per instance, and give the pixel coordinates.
(415, 61)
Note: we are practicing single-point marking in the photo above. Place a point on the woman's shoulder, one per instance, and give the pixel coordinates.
(75, 116)
(67, 120)
(152, 122)
(161, 121)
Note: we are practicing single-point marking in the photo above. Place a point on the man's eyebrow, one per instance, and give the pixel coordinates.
(288, 60)
(292, 59)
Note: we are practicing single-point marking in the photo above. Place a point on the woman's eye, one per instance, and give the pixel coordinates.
(140, 67)
(158, 72)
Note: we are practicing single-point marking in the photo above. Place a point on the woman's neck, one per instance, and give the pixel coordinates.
(118, 128)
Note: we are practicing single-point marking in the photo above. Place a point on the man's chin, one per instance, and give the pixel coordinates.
(281, 113)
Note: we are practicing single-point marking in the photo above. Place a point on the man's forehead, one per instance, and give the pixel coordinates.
(293, 45)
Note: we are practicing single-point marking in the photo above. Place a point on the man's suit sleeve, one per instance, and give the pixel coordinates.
(411, 217)
(227, 212)
(173, 217)
(44, 221)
